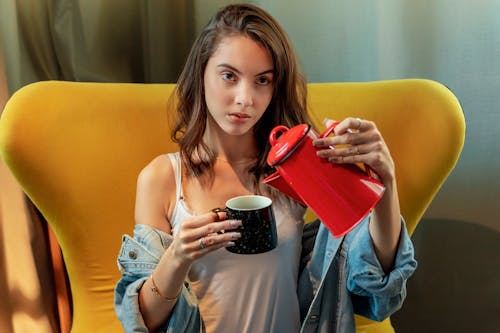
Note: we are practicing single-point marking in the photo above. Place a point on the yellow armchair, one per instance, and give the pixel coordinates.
(77, 148)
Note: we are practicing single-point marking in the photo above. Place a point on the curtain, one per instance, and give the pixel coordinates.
(92, 40)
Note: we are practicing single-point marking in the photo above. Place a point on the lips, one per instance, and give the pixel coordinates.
(238, 117)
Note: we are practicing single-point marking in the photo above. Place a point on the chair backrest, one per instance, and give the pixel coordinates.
(77, 148)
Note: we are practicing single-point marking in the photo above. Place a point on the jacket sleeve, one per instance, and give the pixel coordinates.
(137, 258)
(375, 294)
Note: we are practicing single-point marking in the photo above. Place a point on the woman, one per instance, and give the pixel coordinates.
(241, 80)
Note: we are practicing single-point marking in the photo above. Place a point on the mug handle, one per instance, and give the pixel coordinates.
(331, 124)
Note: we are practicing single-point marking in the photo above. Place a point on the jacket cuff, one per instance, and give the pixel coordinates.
(127, 306)
(365, 274)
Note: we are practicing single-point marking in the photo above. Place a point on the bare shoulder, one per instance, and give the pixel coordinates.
(155, 193)
(159, 170)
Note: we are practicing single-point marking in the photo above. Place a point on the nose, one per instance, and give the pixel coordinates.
(244, 95)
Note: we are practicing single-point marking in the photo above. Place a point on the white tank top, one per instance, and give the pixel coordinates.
(246, 293)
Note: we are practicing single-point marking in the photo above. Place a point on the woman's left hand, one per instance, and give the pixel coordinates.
(361, 142)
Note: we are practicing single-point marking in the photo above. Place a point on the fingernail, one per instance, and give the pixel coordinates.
(228, 244)
(236, 223)
(235, 235)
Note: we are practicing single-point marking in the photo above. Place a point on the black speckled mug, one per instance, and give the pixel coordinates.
(258, 232)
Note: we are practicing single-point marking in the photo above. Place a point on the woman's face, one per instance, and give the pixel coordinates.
(238, 83)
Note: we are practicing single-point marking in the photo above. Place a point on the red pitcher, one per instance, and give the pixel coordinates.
(340, 195)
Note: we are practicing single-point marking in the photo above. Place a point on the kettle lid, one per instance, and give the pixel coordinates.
(284, 141)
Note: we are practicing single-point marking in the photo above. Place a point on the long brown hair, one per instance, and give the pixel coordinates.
(287, 106)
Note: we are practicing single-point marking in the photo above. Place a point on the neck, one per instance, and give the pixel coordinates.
(232, 149)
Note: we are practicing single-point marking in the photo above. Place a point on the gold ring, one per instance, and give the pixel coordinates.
(202, 243)
(357, 150)
(216, 212)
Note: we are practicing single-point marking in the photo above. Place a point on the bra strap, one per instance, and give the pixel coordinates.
(175, 159)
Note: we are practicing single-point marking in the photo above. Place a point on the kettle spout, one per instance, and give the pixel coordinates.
(281, 185)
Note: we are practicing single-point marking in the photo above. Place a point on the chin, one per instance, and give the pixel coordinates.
(236, 131)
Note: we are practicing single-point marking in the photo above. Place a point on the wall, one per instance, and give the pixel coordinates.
(456, 42)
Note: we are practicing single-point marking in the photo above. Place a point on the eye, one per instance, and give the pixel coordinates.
(263, 80)
(228, 76)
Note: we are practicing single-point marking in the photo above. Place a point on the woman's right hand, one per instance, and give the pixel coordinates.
(204, 233)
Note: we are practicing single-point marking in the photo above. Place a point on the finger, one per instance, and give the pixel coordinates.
(376, 160)
(347, 138)
(192, 234)
(199, 221)
(220, 227)
(201, 252)
(345, 159)
(351, 150)
(214, 241)
(364, 149)
(350, 124)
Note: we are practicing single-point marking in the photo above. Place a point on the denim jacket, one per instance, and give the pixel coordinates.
(342, 276)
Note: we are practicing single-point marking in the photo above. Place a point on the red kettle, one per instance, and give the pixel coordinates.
(340, 195)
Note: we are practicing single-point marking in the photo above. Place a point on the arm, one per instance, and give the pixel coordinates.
(138, 256)
(155, 200)
(366, 145)
(151, 207)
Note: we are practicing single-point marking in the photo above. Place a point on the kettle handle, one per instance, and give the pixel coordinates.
(330, 128)
(276, 132)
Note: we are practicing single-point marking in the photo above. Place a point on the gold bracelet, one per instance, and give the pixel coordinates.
(156, 291)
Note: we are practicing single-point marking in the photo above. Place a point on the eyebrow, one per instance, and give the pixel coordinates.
(238, 72)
